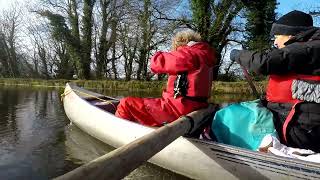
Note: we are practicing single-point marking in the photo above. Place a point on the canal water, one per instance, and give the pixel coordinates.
(37, 140)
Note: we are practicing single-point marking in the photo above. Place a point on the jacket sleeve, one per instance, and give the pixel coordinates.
(292, 58)
(174, 62)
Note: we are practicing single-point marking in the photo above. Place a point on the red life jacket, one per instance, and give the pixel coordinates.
(279, 91)
(199, 82)
(197, 60)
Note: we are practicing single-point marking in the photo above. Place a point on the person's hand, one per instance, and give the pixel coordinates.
(234, 54)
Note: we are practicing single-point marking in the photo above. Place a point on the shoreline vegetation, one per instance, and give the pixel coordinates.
(218, 86)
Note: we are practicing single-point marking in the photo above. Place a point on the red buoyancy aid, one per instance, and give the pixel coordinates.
(199, 82)
(279, 91)
(197, 60)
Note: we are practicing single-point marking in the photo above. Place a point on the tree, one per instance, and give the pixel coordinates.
(201, 15)
(9, 29)
(73, 47)
(128, 42)
(145, 24)
(87, 23)
(260, 16)
(145, 31)
(129, 45)
(315, 13)
(42, 50)
(103, 44)
(110, 11)
(4, 59)
(79, 44)
(213, 19)
(62, 61)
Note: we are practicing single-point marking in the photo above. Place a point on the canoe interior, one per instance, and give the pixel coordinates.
(107, 105)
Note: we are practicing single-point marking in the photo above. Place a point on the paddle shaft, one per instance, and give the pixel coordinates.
(249, 80)
(120, 162)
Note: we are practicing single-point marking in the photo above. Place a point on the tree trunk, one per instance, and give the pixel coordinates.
(13, 61)
(128, 52)
(113, 62)
(215, 32)
(75, 42)
(4, 57)
(43, 55)
(87, 22)
(102, 50)
(144, 47)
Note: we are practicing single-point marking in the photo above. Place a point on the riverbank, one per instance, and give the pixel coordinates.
(218, 86)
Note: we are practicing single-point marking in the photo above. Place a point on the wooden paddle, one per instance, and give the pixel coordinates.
(249, 80)
(120, 162)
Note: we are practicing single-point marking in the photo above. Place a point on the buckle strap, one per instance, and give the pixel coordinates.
(288, 120)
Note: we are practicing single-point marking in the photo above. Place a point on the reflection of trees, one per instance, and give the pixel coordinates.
(8, 103)
(33, 121)
(41, 104)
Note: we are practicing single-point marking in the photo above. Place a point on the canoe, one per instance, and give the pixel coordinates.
(197, 159)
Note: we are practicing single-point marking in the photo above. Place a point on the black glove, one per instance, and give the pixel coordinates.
(234, 54)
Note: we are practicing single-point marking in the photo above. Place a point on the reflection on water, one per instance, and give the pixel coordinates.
(82, 148)
(37, 142)
(32, 126)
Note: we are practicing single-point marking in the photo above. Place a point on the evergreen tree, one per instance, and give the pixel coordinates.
(87, 24)
(260, 16)
(201, 15)
(69, 48)
(213, 20)
(79, 44)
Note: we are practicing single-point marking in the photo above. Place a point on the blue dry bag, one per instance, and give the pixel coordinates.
(243, 124)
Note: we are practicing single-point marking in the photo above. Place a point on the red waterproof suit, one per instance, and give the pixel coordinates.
(197, 59)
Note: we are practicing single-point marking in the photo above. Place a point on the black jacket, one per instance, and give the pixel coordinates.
(302, 56)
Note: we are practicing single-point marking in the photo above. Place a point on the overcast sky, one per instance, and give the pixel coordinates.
(5, 3)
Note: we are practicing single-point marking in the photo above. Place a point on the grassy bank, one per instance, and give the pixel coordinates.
(218, 87)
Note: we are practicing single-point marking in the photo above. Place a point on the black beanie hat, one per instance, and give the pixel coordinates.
(292, 23)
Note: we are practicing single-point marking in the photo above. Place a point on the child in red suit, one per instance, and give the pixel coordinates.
(190, 73)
